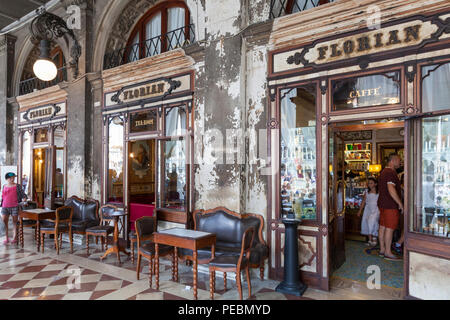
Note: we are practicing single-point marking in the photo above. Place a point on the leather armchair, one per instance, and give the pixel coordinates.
(85, 214)
(229, 228)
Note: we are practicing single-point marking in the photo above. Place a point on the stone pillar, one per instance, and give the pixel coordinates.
(79, 109)
(7, 48)
(95, 141)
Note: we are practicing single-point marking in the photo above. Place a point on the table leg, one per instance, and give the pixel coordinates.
(176, 264)
(21, 232)
(116, 248)
(38, 227)
(195, 274)
(157, 265)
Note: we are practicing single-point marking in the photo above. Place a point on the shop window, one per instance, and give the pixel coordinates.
(26, 161)
(298, 151)
(368, 91)
(435, 87)
(174, 162)
(115, 160)
(175, 121)
(41, 135)
(163, 28)
(433, 205)
(144, 121)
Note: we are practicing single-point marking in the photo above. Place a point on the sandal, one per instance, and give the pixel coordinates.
(381, 254)
(13, 241)
(394, 258)
(5, 242)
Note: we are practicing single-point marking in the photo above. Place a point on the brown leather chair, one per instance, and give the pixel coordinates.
(232, 263)
(145, 227)
(62, 224)
(104, 229)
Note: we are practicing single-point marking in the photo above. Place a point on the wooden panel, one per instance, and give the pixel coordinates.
(436, 246)
(172, 216)
(164, 64)
(41, 98)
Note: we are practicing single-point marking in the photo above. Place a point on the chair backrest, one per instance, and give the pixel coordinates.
(86, 210)
(105, 213)
(63, 215)
(145, 226)
(228, 226)
(247, 241)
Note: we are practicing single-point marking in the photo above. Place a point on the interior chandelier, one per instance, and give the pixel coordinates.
(44, 29)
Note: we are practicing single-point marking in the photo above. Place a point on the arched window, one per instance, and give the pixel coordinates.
(163, 28)
(282, 7)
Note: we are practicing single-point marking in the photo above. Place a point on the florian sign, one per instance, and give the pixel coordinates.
(154, 90)
(355, 45)
(364, 47)
(42, 113)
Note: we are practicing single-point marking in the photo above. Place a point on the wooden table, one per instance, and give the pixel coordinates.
(37, 215)
(187, 239)
(116, 248)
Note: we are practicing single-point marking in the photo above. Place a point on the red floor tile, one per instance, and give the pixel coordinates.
(98, 294)
(15, 284)
(47, 274)
(32, 269)
(28, 292)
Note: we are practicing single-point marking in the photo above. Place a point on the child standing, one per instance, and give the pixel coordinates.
(371, 216)
(11, 195)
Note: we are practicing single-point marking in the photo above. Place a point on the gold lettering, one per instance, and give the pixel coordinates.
(349, 46)
(363, 44)
(378, 38)
(393, 37)
(334, 51)
(412, 31)
(322, 52)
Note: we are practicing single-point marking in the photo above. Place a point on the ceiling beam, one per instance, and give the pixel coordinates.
(2, 14)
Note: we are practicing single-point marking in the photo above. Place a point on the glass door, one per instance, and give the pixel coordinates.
(337, 188)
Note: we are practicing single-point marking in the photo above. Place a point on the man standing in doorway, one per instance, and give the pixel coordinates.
(390, 205)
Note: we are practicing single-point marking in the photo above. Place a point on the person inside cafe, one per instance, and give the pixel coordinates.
(390, 205)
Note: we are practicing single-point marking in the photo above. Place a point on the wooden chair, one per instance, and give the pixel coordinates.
(104, 229)
(63, 224)
(26, 224)
(145, 226)
(233, 263)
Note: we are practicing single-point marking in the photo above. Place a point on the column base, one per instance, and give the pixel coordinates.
(296, 289)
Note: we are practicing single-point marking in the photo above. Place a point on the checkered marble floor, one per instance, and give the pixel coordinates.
(26, 274)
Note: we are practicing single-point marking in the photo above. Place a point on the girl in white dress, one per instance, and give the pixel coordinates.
(371, 216)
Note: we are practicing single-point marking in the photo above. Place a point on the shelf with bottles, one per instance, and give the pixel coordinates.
(361, 151)
(358, 165)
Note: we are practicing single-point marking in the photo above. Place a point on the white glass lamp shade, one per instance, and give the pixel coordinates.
(45, 69)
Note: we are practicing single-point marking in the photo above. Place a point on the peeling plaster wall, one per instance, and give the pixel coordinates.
(256, 105)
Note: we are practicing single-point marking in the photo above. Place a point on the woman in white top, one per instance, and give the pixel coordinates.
(371, 216)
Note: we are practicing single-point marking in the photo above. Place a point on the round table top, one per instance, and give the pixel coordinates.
(117, 213)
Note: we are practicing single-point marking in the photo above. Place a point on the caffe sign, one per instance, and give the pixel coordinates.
(156, 89)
